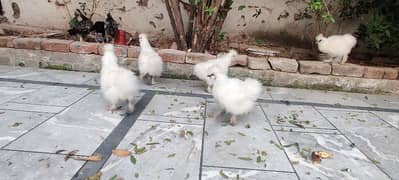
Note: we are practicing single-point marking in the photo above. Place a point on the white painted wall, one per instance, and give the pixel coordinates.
(41, 13)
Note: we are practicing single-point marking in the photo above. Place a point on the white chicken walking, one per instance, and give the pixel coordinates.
(117, 83)
(233, 95)
(150, 63)
(220, 64)
(338, 46)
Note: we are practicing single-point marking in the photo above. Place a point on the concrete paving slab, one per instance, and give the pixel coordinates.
(249, 144)
(374, 137)
(26, 166)
(211, 173)
(294, 116)
(15, 123)
(48, 75)
(19, 85)
(83, 126)
(391, 118)
(167, 154)
(346, 163)
(53, 96)
(31, 107)
(176, 106)
(314, 96)
(8, 93)
(250, 149)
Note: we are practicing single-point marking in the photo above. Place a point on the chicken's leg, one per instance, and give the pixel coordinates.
(209, 89)
(130, 105)
(233, 120)
(344, 59)
(220, 113)
(152, 80)
(112, 108)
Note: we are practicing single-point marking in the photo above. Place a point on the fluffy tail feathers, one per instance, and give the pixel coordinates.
(253, 88)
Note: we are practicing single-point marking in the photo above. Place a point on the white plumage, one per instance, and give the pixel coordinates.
(117, 83)
(150, 63)
(234, 95)
(337, 46)
(220, 64)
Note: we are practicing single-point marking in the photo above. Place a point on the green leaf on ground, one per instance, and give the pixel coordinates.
(16, 124)
(275, 144)
(133, 159)
(242, 134)
(375, 161)
(154, 143)
(171, 155)
(245, 158)
(229, 142)
(113, 177)
(259, 159)
(223, 174)
(296, 124)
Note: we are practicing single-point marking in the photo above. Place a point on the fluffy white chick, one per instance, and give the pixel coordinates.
(220, 64)
(235, 96)
(117, 83)
(337, 46)
(150, 63)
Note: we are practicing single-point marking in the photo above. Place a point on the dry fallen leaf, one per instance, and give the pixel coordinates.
(96, 176)
(318, 155)
(95, 157)
(324, 154)
(121, 152)
(71, 153)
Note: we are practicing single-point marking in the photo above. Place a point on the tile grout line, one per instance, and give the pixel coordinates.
(4, 109)
(203, 139)
(15, 102)
(278, 139)
(166, 122)
(113, 139)
(249, 169)
(40, 152)
(311, 132)
(165, 116)
(370, 159)
(380, 118)
(36, 126)
(288, 126)
(275, 101)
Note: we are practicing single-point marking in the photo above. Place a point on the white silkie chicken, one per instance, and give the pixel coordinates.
(337, 47)
(117, 83)
(150, 63)
(233, 95)
(220, 64)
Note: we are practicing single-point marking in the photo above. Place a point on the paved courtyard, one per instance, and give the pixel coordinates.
(175, 133)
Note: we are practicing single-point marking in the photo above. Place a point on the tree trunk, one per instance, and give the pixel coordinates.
(176, 20)
(206, 19)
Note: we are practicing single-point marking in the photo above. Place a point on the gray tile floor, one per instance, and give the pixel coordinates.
(177, 134)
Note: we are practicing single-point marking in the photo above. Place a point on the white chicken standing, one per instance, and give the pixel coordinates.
(337, 46)
(220, 64)
(150, 63)
(117, 83)
(233, 95)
